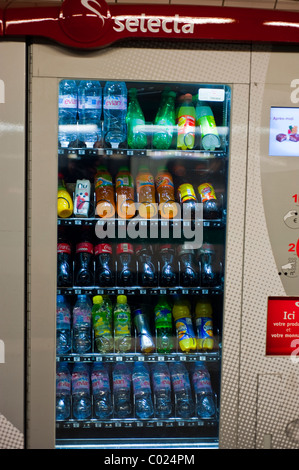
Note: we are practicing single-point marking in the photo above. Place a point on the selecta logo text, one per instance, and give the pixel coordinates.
(151, 24)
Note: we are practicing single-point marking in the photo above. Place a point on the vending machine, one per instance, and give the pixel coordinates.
(161, 146)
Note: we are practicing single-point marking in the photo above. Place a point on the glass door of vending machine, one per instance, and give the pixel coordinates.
(142, 202)
(135, 222)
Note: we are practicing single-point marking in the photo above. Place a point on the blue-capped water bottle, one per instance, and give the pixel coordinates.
(68, 113)
(90, 112)
(115, 112)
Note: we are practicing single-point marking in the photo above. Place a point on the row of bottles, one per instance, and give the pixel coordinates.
(80, 113)
(154, 196)
(134, 390)
(114, 327)
(127, 265)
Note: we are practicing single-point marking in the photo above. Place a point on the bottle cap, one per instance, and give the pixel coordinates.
(121, 299)
(60, 298)
(97, 299)
(188, 97)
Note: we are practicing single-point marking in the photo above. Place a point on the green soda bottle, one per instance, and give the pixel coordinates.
(122, 325)
(163, 326)
(186, 124)
(135, 122)
(102, 324)
(165, 123)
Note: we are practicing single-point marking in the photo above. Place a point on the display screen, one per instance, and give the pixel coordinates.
(284, 132)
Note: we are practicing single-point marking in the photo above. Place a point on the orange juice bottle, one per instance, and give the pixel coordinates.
(184, 327)
(145, 186)
(165, 189)
(124, 186)
(204, 325)
(105, 205)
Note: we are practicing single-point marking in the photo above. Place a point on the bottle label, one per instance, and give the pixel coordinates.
(144, 179)
(206, 192)
(124, 248)
(208, 125)
(141, 383)
(80, 382)
(63, 317)
(164, 180)
(101, 324)
(63, 383)
(103, 181)
(90, 102)
(124, 180)
(201, 381)
(84, 247)
(186, 192)
(102, 248)
(184, 328)
(179, 382)
(67, 101)
(115, 102)
(122, 322)
(161, 381)
(64, 248)
(204, 327)
(81, 316)
(163, 318)
(121, 381)
(99, 382)
(186, 124)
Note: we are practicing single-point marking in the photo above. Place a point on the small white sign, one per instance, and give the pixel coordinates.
(2, 352)
(211, 94)
(2, 92)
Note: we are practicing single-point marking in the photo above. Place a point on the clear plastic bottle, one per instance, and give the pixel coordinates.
(63, 391)
(115, 112)
(104, 190)
(168, 208)
(102, 324)
(161, 389)
(81, 391)
(124, 188)
(184, 404)
(63, 326)
(206, 121)
(68, 112)
(147, 270)
(122, 325)
(101, 391)
(90, 111)
(188, 267)
(204, 396)
(204, 325)
(142, 391)
(122, 386)
(168, 266)
(135, 122)
(82, 325)
(146, 193)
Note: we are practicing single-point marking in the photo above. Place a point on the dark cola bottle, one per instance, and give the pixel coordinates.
(210, 266)
(126, 265)
(84, 260)
(188, 268)
(168, 266)
(64, 261)
(104, 271)
(147, 270)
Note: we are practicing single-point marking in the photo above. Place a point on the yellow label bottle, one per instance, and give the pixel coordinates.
(65, 205)
(184, 327)
(204, 325)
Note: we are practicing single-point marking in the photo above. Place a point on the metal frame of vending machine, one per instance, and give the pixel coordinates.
(89, 49)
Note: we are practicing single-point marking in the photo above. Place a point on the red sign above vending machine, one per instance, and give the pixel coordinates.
(92, 23)
(282, 326)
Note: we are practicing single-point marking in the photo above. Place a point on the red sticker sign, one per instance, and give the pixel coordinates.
(282, 326)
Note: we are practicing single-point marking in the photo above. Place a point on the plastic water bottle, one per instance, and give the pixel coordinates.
(142, 391)
(184, 405)
(63, 391)
(90, 111)
(102, 324)
(204, 396)
(122, 325)
(63, 326)
(81, 391)
(115, 112)
(82, 325)
(162, 390)
(122, 381)
(68, 113)
(102, 402)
